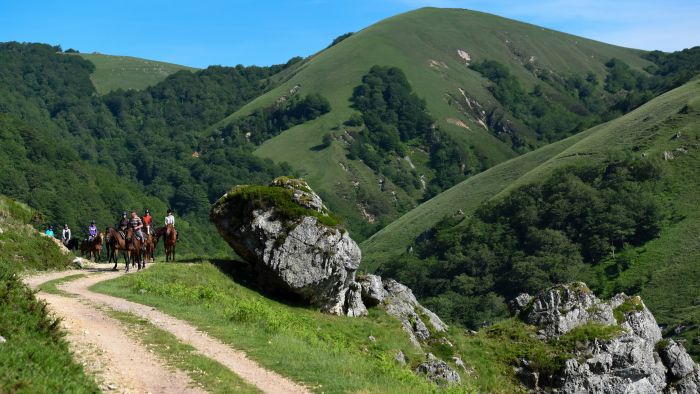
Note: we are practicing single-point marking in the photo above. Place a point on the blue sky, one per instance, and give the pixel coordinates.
(204, 32)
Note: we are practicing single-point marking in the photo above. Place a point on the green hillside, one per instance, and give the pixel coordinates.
(126, 72)
(597, 143)
(664, 134)
(424, 44)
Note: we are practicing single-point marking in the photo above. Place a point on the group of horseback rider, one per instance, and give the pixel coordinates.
(136, 223)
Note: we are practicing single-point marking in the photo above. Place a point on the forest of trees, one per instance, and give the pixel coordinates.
(266, 123)
(77, 156)
(541, 234)
(564, 105)
(392, 120)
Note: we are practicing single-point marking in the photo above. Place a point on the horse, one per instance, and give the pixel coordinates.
(72, 244)
(92, 248)
(133, 249)
(150, 244)
(169, 235)
(115, 243)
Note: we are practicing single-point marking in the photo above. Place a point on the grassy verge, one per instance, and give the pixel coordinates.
(51, 286)
(207, 373)
(329, 354)
(34, 357)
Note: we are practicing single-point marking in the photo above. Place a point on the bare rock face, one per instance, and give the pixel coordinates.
(634, 359)
(293, 243)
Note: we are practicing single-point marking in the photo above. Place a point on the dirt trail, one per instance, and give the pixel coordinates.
(82, 315)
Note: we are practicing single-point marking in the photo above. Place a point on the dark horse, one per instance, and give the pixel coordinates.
(92, 248)
(169, 235)
(133, 249)
(116, 243)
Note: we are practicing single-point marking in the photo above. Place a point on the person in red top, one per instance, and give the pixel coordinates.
(147, 220)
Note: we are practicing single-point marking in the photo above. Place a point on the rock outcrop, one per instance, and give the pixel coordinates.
(439, 372)
(398, 300)
(634, 359)
(293, 243)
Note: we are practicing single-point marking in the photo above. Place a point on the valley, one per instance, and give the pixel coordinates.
(443, 201)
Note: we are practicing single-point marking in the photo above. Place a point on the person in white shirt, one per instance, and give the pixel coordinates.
(170, 219)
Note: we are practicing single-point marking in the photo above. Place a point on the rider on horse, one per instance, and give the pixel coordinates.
(123, 224)
(147, 221)
(136, 225)
(92, 231)
(65, 234)
(170, 219)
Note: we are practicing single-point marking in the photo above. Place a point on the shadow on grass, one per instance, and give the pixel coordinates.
(243, 274)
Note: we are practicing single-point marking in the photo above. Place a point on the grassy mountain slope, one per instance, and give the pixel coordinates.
(424, 44)
(630, 131)
(126, 72)
(663, 270)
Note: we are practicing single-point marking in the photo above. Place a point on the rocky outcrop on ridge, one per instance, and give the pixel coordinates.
(635, 359)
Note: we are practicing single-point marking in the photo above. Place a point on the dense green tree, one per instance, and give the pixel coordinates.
(538, 235)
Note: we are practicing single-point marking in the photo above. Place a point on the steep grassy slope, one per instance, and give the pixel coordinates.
(425, 45)
(34, 357)
(663, 270)
(645, 128)
(126, 72)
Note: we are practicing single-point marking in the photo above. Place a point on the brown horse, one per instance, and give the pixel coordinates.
(116, 243)
(133, 249)
(169, 235)
(149, 246)
(93, 248)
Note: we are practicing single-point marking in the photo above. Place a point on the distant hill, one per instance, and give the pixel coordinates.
(431, 47)
(126, 72)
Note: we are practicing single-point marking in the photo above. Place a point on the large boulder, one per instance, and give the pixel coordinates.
(634, 359)
(293, 243)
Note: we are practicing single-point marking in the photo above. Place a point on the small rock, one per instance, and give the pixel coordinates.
(519, 303)
(667, 155)
(439, 372)
(372, 338)
(112, 386)
(676, 360)
(430, 357)
(373, 292)
(400, 358)
(446, 341)
(2, 339)
(86, 332)
(458, 362)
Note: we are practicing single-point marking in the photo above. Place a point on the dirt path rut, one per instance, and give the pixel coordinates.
(116, 350)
